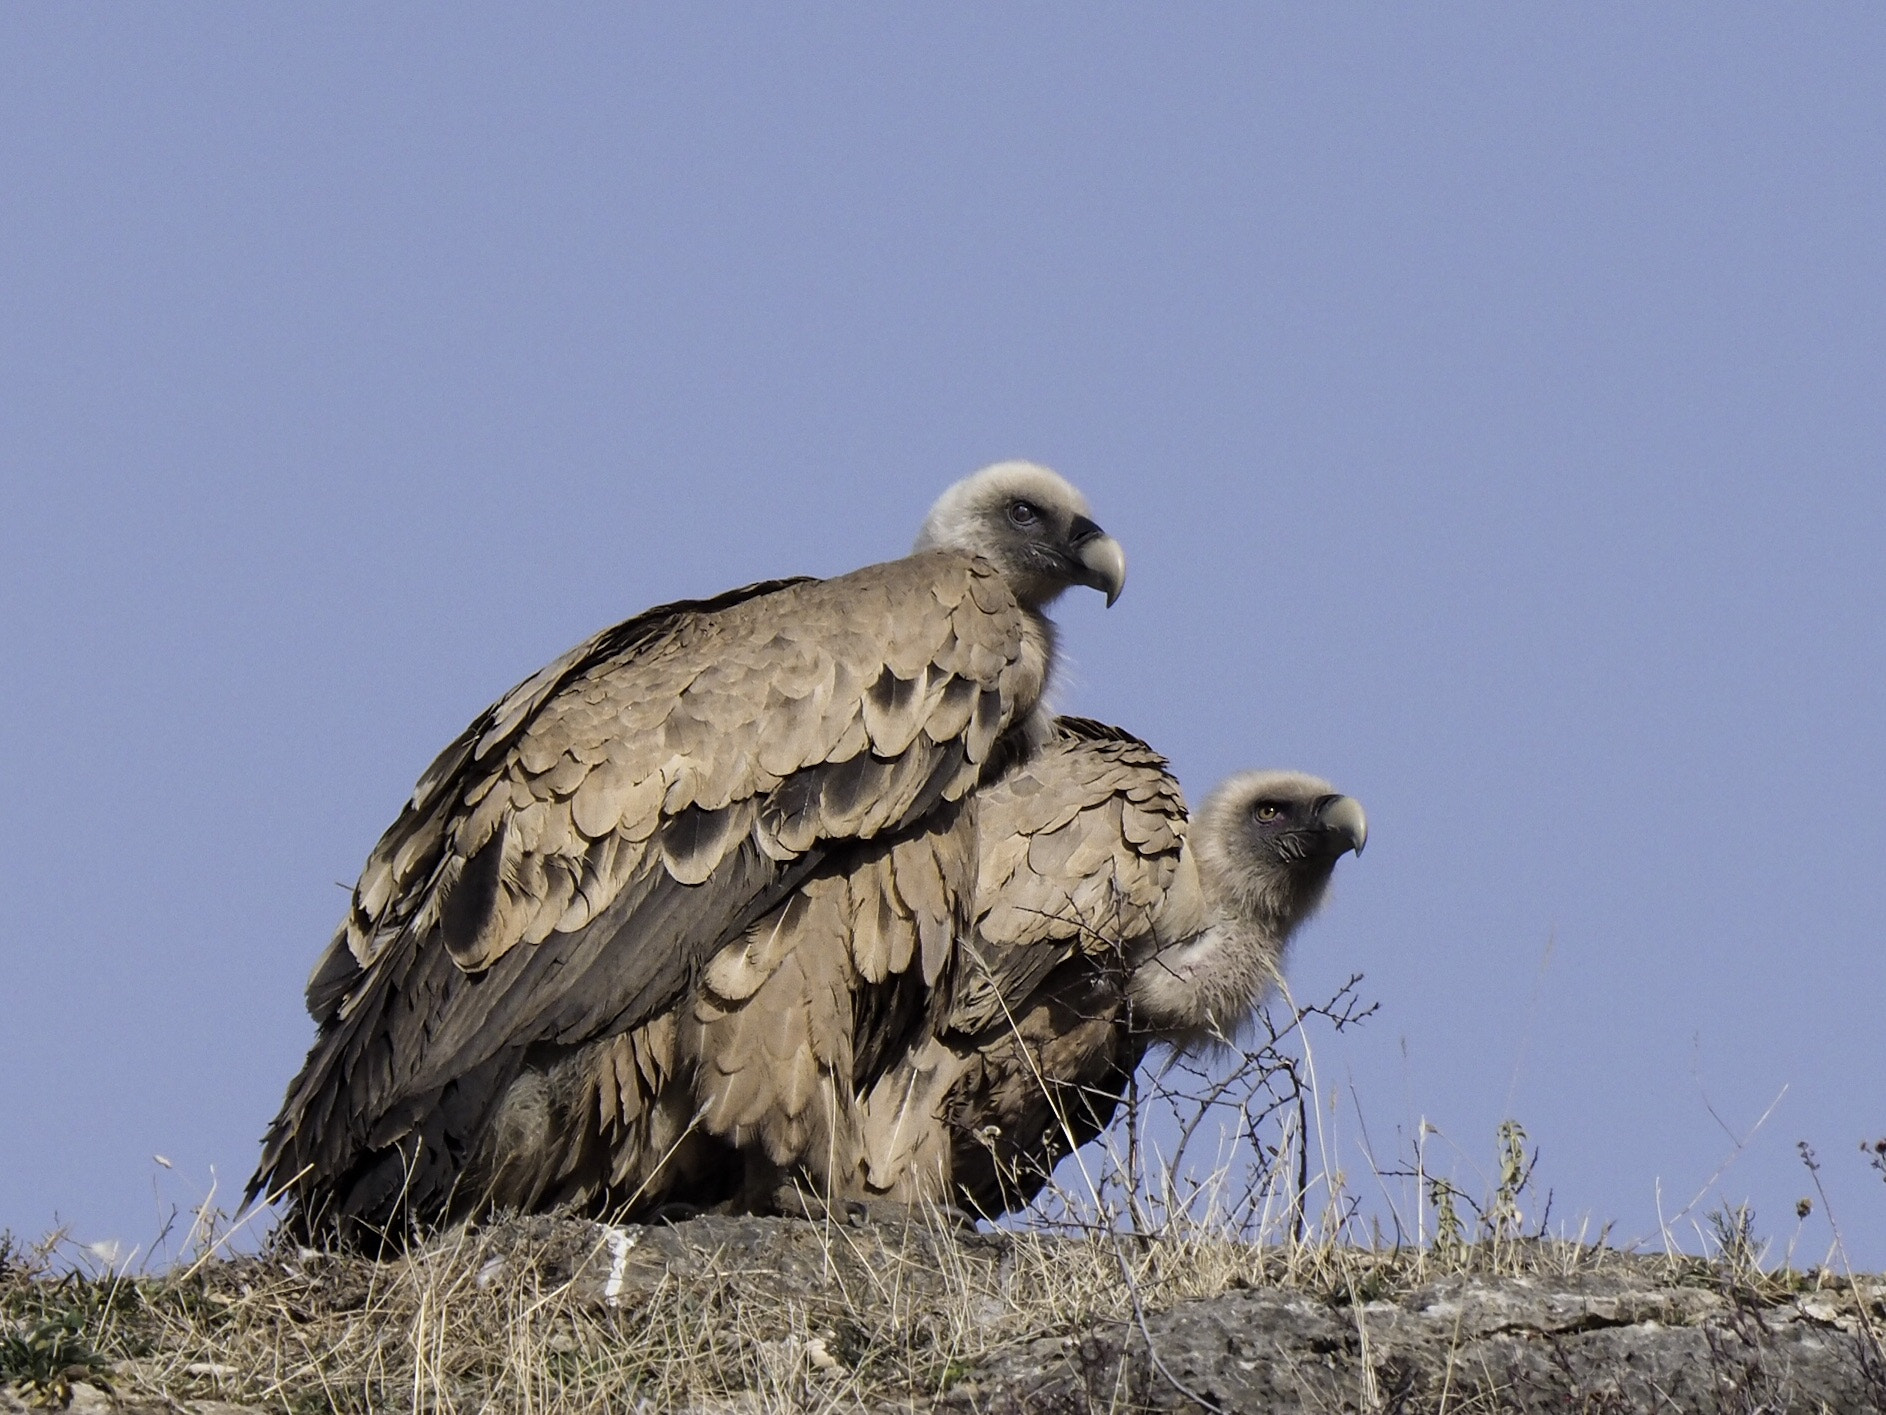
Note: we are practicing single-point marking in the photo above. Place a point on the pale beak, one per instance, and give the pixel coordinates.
(1102, 564)
(1342, 815)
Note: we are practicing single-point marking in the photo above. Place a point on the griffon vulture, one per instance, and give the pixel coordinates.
(567, 868)
(1102, 927)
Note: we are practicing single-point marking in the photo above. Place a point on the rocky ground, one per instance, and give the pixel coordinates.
(1624, 1341)
(877, 1313)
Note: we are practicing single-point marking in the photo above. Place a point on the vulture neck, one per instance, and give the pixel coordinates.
(1204, 986)
(1039, 643)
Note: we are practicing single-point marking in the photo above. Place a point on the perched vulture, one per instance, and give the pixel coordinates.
(1102, 927)
(524, 937)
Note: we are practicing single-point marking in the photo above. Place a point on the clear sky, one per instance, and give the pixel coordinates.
(1491, 400)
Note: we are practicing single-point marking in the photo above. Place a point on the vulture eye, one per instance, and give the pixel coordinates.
(1266, 811)
(1024, 514)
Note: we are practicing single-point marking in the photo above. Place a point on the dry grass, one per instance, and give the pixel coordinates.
(1214, 1178)
(762, 1315)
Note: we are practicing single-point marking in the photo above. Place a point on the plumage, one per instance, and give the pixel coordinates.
(567, 868)
(1105, 923)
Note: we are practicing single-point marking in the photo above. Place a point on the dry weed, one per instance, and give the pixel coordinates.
(1217, 1175)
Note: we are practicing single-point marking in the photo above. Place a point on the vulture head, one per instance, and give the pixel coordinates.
(1265, 843)
(1033, 526)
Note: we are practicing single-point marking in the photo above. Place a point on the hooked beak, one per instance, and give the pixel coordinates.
(1342, 816)
(1099, 562)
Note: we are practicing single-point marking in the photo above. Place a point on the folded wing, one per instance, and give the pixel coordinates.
(568, 866)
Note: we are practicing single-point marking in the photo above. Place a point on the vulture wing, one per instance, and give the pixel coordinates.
(801, 1015)
(570, 863)
(1082, 843)
(1082, 864)
(749, 1081)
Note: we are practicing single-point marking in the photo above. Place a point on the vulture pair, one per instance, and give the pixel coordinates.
(796, 894)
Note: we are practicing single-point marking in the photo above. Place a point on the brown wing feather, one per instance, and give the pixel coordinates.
(569, 863)
(1081, 847)
(1038, 1090)
(753, 1078)
(1062, 873)
(797, 1017)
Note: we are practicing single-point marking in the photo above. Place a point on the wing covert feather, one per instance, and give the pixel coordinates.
(569, 863)
(1080, 859)
(1060, 871)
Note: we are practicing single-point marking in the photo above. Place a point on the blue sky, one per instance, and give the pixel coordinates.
(1489, 398)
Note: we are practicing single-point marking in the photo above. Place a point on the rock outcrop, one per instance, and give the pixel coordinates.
(876, 1312)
